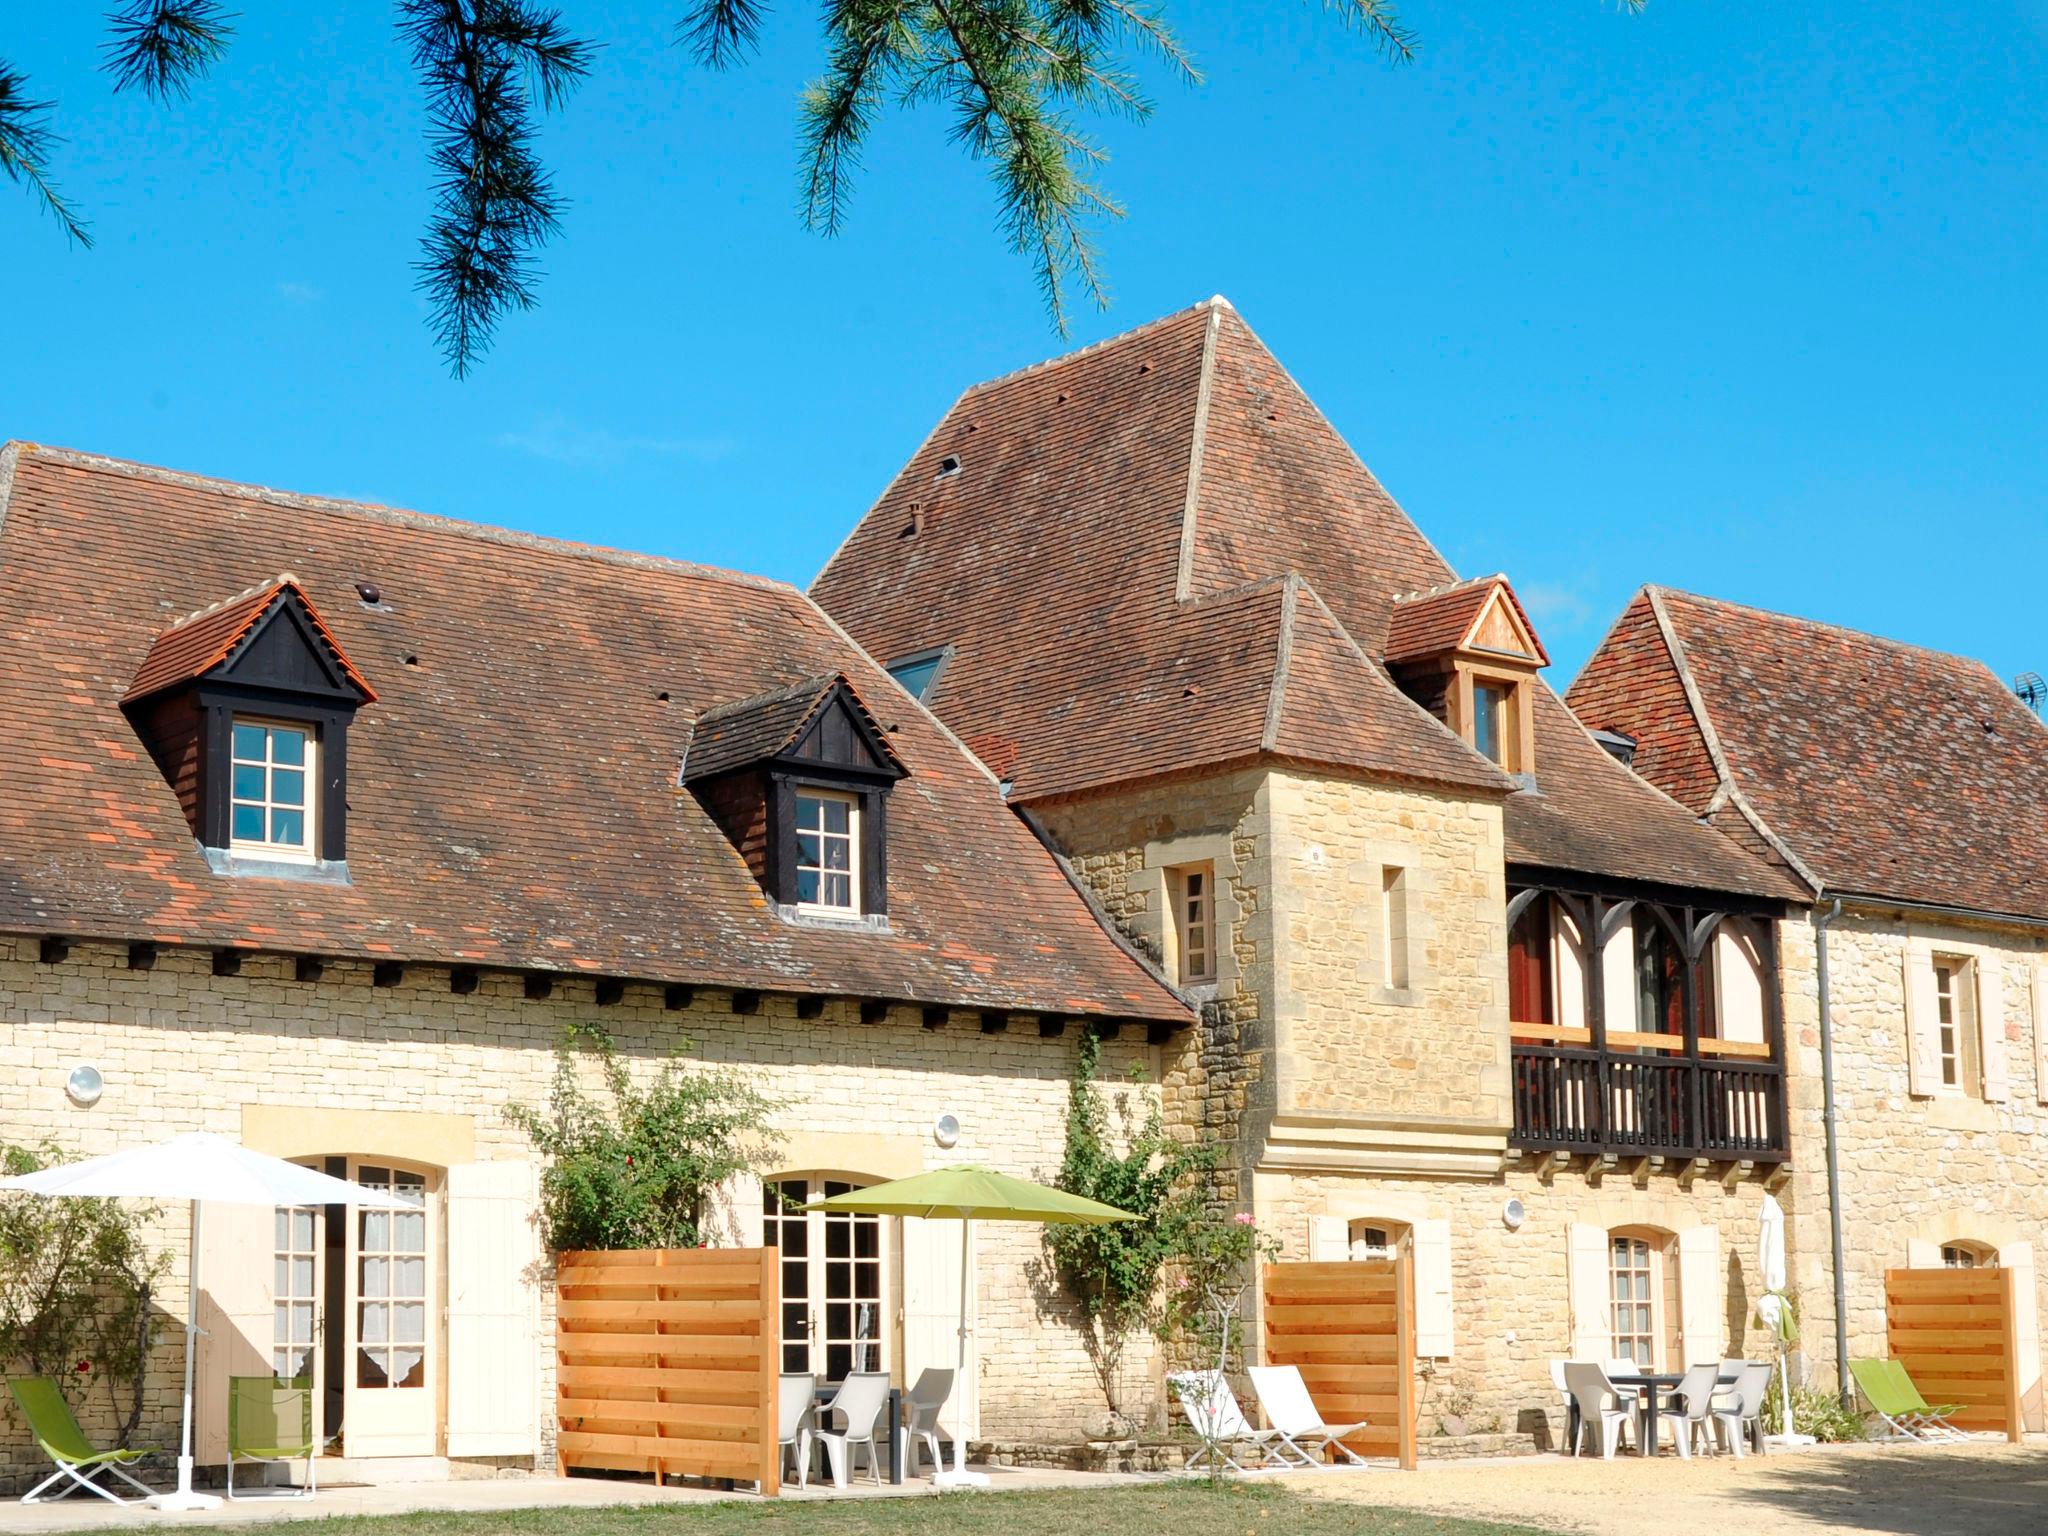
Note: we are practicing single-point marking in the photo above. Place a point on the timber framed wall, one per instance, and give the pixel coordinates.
(1955, 1331)
(1350, 1329)
(667, 1363)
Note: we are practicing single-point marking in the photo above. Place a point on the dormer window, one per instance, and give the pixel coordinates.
(1466, 654)
(799, 778)
(270, 791)
(245, 708)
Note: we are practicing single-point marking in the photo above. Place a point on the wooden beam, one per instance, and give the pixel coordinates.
(53, 950)
(935, 1018)
(746, 1002)
(141, 957)
(387, 973)
(810, 1006)
(676, 998)
(462, 980)
(540, 986)
(610, 990)
(227, 962)
(994, 1021)
(1735, 1173)
(309, 968)
(1051, 1025)
(873, 1010)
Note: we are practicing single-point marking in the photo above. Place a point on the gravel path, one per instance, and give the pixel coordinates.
(1987, 1489)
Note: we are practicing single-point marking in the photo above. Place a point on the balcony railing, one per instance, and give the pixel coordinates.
(1576, 1099)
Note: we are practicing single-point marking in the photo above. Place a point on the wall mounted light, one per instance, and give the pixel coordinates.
(84, 1084)
(946, 1130)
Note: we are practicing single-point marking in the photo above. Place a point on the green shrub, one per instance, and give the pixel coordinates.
(1819, 1413)
(641, 1171)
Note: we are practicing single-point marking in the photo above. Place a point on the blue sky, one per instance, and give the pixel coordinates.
(1745, 299)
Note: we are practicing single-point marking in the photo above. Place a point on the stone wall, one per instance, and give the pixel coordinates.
(1918, 1171)
(182, 1049)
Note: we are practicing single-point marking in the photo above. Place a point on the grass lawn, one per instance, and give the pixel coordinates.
(1173, 1509)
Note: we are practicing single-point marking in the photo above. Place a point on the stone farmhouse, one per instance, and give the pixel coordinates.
(1907, 791)
(1469, 984)
(323, 823)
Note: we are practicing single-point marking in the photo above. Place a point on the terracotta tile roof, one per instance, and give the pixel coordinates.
(730, 736)
(513, 793)
(1431, 622)
(1135, 520)
(1883, 769)
(195, 645)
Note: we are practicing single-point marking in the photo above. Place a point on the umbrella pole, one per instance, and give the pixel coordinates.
(185, 1498)
(960, 1477)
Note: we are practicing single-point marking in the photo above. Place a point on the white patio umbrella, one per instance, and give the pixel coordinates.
(1774, 1308)
(199, 1168)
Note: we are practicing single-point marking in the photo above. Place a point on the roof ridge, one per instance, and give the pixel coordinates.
(1044, 364)
(1443, 587)
(402, 517)
(1198, 443)
(1840, 629)
(276, 583)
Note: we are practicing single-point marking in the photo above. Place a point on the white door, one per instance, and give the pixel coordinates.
(493, 1310)
(391, 1386)
(834, 1277)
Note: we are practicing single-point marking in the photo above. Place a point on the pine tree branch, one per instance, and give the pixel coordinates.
(870, 41)
(1379, 20)
(163, 46)
(25, 145)
(722, 33)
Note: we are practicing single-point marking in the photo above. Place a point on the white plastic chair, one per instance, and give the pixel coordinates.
(1290, 1410)
(1213, 1414)
(794, 1399)
(1603, 1409)
(1565, 1396)
(1738, 1410)
(921, 1405)
(848, 1423)
(1686, 1410)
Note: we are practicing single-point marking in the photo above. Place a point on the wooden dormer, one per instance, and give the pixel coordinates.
(1468, 654)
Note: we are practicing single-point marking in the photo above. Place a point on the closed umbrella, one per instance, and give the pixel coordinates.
(199, 1168)
(968, 1195)
(1774, 1309)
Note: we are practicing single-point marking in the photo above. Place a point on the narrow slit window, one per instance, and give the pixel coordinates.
(1955, 1015)
(1192, 890)
(1394, 969)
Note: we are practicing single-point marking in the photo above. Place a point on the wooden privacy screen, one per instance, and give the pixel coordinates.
(1350, 1327)
(666, 1363)
(1955, 1332)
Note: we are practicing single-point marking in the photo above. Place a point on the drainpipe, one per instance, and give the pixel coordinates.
(1827, 1089)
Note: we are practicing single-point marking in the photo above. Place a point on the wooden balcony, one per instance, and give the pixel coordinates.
(1645, 1097)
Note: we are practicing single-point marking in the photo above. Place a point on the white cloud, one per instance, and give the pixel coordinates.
(557, 439)
(299, 293)
(1552, 606)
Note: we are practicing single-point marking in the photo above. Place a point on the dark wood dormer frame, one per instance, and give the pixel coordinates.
(817, 735)
(277, 662)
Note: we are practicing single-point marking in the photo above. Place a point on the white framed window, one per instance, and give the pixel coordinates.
(827, 851)
(1394, 968)
(1632, 1264)
(270, 792)
(295, 1293)
(1192, 890)
(835, 1277)
(1955, 1024)
(1967, 1255)
(1370, 1239)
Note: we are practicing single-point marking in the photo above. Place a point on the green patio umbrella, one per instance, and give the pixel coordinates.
(968, 1195)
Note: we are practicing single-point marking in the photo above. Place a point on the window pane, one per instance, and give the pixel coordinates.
(808, 809)
(376, 1323)
(376, 1276)
(247, 826)
(248, 782)
(838, 891)
(288, 786)
(288, 828)
(409, 1322)
(376, 1229)
(249, 742)
(409, 1277)
(302, 1231)
(807, 885)
(370, 1368)
(409, 1232)
(288, 747)
(838, 854)
(807, 848)
(302, 1277)
(837, 815)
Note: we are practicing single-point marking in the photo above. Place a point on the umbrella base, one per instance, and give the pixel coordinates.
(962, 1479)
(185, 1498)
(1790, 1440)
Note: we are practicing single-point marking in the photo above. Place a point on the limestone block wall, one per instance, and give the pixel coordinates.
(182, 1049)
(1917, 1171)
(1421, 1041)
(1510, 1289)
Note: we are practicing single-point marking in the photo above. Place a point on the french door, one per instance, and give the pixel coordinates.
(834, 1278)
(357, 1316)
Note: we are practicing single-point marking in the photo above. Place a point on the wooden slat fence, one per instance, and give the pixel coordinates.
(1350, 1327)
(666, 1362)
(1955, 1330)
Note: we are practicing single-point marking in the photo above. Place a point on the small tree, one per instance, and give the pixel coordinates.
(640, 1172)
(1113, 1271)
(76, 1282)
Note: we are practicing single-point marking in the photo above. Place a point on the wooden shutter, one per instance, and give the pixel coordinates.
(1703, 1322)
(1432, 1253)
(2019, 1258)
(1923, 1029)
(493, 1310)
(237, 1252)
(932, 1255)
(1991, 1028)
(1329, 1240)
(1592, 1302)
(2041, 1033)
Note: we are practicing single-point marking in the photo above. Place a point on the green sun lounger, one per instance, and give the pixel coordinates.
(51, 1422)
(270, 1421)
(1889, 1390)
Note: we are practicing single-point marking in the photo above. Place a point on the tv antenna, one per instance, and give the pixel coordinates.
(2031, 689)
